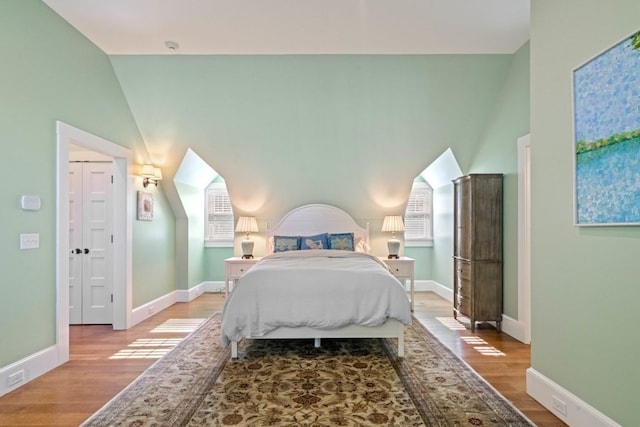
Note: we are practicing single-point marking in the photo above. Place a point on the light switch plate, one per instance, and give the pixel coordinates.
(30, 203)
(29, 241)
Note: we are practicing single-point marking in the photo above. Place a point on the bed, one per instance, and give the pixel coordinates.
(316, 293)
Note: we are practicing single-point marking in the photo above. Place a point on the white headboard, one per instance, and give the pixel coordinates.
(313, 219)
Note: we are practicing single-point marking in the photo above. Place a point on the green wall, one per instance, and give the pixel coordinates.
(49, 72)
(192, 199)
(496, 152)
(584, 284)
(154, 251)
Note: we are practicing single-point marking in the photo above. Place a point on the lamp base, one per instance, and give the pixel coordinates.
(247, 249)
(394, 247)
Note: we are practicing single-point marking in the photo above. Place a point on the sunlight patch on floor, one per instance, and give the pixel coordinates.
(178, 326)
(141, 353)
(155, 342)
(147, 348)
(451, 323)
(488, 351)
(473, 340)
(482, 346)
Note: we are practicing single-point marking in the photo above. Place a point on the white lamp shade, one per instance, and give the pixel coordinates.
(392, 223)
(247, 224)
(157, 173)
(147, 171)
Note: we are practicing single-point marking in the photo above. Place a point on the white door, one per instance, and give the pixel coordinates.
(90, 271)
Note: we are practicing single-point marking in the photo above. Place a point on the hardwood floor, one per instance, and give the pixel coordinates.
(103, 362)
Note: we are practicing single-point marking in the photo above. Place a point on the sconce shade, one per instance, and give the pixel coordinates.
(393, 223)
(247, 224)
(147, 171)
(150, 174)
(157, 173)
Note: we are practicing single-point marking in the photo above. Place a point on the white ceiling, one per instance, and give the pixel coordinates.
(300, 26)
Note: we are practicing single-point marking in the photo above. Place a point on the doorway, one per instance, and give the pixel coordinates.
(121, 226)
(90, 255)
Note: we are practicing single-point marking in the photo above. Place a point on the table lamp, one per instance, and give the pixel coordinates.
(247, 224)
(393, 223)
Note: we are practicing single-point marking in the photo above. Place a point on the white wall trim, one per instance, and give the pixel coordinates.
(190, 294)
(147, 310)
(31, 367)
(214, 286)
(577, 412)
(435, 287)
(524, 238)
(514, 328)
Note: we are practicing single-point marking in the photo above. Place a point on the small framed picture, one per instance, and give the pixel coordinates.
(145, 206)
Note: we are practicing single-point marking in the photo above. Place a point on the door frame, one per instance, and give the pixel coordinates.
(122, 229)
(524, 236)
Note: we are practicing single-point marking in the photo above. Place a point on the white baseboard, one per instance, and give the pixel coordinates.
(435, 287)
(214, 286)
(191, 293)
(564, 404)
(28, 368)
(147, 310)
(514, 328)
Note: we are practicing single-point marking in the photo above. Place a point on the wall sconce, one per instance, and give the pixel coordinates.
(247, 224)
(151, 174)
(393, 224)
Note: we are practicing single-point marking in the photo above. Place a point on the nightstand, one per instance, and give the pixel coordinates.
(402, 268)
(235, 267)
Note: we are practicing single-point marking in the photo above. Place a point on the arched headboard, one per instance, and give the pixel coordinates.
(315, 219)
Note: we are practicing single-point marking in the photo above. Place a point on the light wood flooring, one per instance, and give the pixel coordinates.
(103, 361)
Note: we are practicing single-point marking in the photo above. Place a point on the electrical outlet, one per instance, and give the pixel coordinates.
(15, 378)
(559, 405)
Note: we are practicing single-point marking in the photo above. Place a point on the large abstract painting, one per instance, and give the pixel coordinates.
(607, 136)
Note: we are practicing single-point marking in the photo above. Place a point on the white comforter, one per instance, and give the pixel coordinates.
(325, 289)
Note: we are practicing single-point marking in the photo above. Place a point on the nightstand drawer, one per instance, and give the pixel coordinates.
(238, 269)
(400, 269)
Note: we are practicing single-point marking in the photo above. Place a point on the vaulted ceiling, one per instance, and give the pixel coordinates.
(263, 92)
(206, 27)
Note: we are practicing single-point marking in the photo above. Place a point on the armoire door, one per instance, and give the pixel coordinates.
(90, 258)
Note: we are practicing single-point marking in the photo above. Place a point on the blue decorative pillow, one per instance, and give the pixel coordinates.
(342, 241)
(286, 243)
(319, 241)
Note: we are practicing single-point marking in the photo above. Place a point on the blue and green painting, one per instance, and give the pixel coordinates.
(607, 135)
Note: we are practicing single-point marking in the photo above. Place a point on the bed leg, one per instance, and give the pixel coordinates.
(316, 342)
(234, 349)
(401, 342)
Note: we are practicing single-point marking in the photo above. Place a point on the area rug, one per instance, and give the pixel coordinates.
(358, 382)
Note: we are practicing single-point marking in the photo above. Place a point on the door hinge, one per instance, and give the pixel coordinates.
(111, 297)
(112, 179)
(112, 238)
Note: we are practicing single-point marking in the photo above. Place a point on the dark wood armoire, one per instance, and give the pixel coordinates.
(477, 248)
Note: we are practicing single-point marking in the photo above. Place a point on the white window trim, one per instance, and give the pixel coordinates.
(422, 241)
(212, 242)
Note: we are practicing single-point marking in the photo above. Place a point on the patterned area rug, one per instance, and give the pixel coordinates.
(290, 383)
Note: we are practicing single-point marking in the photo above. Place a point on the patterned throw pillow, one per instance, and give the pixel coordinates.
(319, 241)
(285, 243)
(341, 241)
